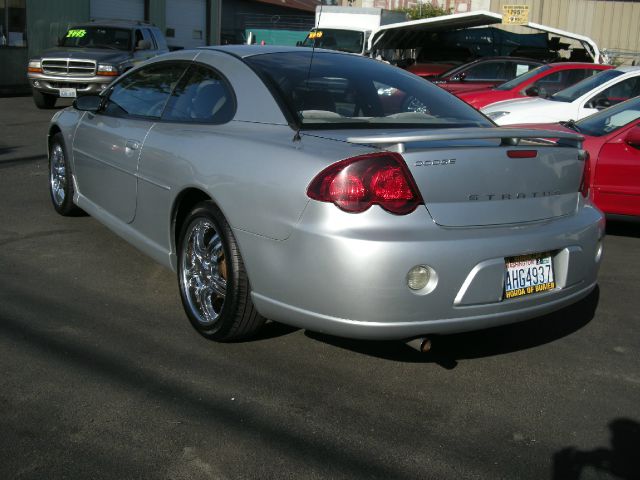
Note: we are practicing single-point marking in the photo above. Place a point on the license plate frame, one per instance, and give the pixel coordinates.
(527, 275)
(68, 93)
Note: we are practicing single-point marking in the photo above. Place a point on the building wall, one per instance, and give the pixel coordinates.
(612, 24)
(47, 21)
(239, 16)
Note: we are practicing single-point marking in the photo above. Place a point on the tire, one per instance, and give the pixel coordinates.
(60, 178)
(44, 100)
(214, 286)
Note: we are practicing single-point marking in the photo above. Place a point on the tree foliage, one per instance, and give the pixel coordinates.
(426, 10)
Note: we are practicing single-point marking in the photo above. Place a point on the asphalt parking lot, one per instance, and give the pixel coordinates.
(101, 375)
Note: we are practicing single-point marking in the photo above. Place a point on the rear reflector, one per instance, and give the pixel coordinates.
(585, 183)
(522, 153)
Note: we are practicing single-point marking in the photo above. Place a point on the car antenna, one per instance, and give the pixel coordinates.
(296, 137)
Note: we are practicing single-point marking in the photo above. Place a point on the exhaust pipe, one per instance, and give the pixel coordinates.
(421, 344)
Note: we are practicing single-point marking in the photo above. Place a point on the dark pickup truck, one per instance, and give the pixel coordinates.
(89, 57)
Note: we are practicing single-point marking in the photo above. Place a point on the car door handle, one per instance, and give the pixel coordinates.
(132, 144)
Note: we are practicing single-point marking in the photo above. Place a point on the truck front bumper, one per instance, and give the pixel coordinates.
(51, 84)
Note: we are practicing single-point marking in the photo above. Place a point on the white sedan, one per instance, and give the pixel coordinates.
(573, 103)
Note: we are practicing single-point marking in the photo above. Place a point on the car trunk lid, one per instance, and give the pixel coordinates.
(489, 176)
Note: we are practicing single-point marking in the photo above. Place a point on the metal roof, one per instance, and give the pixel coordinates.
(399, 35)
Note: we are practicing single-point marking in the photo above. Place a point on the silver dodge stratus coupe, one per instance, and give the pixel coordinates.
(330, 192)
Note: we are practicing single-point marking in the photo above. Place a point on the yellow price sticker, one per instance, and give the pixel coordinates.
(515, 14)
(76, 33)
(316, 34)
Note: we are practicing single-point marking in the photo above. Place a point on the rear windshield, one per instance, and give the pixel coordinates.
(576, 91)
(97, 37)
(349, 91)
(522, 78)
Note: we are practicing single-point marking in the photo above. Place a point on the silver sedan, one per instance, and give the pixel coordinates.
(330, 192)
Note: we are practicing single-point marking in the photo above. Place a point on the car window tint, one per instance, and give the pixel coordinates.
(610, 119)
(487, 71)
(617, 93)
(574, 92)
(202, 96)
(347, 91)
(523, 78)
(562, 79)
(145, 92)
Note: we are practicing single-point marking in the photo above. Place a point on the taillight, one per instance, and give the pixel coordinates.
(586, 175)
(357, 183)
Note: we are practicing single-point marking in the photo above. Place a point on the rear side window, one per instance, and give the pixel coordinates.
(202, 96)
(144, 93)
(617, 93)
(488, 71)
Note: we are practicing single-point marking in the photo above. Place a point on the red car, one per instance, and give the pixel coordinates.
(484, 73)
(612, 138)
(543, 81)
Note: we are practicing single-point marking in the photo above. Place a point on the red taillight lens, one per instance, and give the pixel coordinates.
(357, 183)
(586, 176)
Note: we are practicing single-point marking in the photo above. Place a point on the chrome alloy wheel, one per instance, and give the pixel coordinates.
(57, 175)
(204, 271)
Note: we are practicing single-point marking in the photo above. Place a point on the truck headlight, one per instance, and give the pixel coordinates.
(107, 70)
(35, 66)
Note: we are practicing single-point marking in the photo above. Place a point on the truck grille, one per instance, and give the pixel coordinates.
(69, 67)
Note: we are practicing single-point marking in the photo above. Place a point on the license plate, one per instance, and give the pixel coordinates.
(68, 92)
(528, 274)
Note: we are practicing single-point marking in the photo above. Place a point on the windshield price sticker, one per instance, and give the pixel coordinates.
(528, 274)
(76, 33)
(316, 34)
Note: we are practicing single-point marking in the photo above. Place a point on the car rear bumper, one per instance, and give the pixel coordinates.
(346, 274)
(51, 84)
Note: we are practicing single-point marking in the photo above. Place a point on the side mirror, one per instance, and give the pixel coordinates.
(299, 43)
(633, 137)
(88, 103)
(532, 92)
(143, 45)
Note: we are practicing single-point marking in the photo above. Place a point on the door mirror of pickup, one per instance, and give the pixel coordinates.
(633, 137)
(88, 103)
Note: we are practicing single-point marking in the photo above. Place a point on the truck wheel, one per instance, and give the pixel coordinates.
(44, 100)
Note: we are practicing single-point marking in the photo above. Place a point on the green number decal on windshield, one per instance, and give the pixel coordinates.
(76, 33)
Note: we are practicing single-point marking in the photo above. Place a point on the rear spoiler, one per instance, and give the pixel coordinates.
(507, 136)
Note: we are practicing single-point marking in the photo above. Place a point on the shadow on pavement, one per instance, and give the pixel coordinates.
(446, 350)
(621, 460)
(620, 228)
